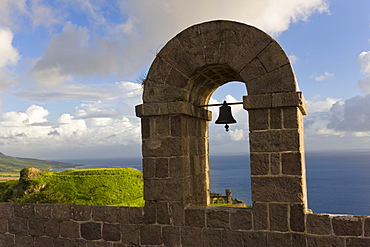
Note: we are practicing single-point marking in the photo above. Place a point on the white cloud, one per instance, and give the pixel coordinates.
(293, 59)
(321, 105)
(324, 76)
(9, 55)
(364, 60)
(236, 135)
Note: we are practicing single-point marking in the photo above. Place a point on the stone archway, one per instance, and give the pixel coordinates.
(184, 74)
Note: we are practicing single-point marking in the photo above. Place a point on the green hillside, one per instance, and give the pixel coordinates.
(102, 186)
(12, 165)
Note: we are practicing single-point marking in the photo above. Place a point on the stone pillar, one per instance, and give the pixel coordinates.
(175, 158)
(277, 157)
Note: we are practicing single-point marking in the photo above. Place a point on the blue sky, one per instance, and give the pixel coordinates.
(70, 71)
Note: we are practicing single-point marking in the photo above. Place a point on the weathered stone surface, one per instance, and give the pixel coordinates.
(171, 236)
(278, 214)
(164, 147)
(69, 229)
(259, 101)
(17, 226)
(91, 230)
(169, 189)
(318, 224)
(347, 225)
(43, 242)
(291, 163)
(259, 163)
(297, 215)
(253, 70)
(23, 241)
(3, 225)
(211, 237)
(131, 235)
(232, 238)
(358, 242)
(151, 235)
(52, 228)
(43, 211)
(276, 118)
(260, 214)
(195, 217)
(135, 215)
(241, 219)
(273, 56)
(318, 241)
(299, 240)
(279, 239)
(36, 227)
(191, 236)
(254, 238)
(277, 189)
(60, 212)
(111, 232)
(275, 141)
(367, 227)
(275, 163)
(80, 212)
(258, 119)
(105, 214)
(24, 210)
(6, 210)
(218, 219)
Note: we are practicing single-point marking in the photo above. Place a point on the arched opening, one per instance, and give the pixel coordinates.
(229, 151)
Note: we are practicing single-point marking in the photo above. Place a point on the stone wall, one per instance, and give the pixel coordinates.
(175, 159)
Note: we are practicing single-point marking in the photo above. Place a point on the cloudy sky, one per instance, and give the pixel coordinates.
(70, 70)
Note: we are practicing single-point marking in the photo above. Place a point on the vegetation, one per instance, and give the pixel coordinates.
(101, 186)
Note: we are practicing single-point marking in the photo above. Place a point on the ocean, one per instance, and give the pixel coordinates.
(337, 182)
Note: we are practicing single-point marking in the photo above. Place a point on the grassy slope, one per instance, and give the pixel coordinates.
(13, 165)
(102, 186)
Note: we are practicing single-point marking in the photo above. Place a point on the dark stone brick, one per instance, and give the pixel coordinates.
(259, 164)
(367, 227)
(3, 225)
(218, 219)
(318, 224)
(259, 211)
(135, 215)
(171, 236)
(276, 118)
(131, 235)
(80, 212)
(191, 236)
(23, 241)
(111, 232)
(195, 217)
(36, 227)
(291, 163)
(52, 228)
(6, 210)
(241, 219)
(43, 211)
(43, 242)
(347, 225)
(17, 226)
(279, 239)
(60, 212)
(91, 231)
(69, 229)
(211, 237)
(24, 210)
(319, 241)
(254, 238)
(232, 238)
(6, 240)
(278, 217)
(358, 242)
(151, 235)
(105, 214)
(297, 217)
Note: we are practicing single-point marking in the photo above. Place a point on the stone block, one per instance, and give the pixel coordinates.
(111, 232)
(52, 228)
(195, 217)
(279, 239)
(3, 225)
(150, 212)
(36, 227)
(91, 231)
(164, 147)
(6, 209)
(164, 213)
(160, 126)
(275, 141)
(357, 242)
(178, 213)
(232, 238)
(275, 163)
(253, 70)
(278, 214)
(43, 242)
(297, 217)
(177, 167)
(69, 229)
(276, 81)
(161, 167)
(105, 214)
(212, 237)
(123, 215)
(151, 235)
(164, 190)
(80, 212)
(287, 99)
(171, 236)
(241, 219)
(17, 226)
(292, 118)
(136, 215)
(292, 163)
(277, 189)
(158, 71)
(43, 211)
(131, 235)
(258, 119)
(259, 101)
(24, 210)
(254, 41)
(367, 227)
(149, 167)
(276, 118)
(23, 241)
(273, 57)
(145, 128)
(260, 214)
(177, 79)
(347, 225)
(191, 236)
(319, 241)
(299, 240)
(254, 238)
(60, 212)
(259, 163)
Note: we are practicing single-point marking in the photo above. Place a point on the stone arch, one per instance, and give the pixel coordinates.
(183, 76)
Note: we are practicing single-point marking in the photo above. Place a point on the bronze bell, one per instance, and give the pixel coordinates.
(225, 116)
